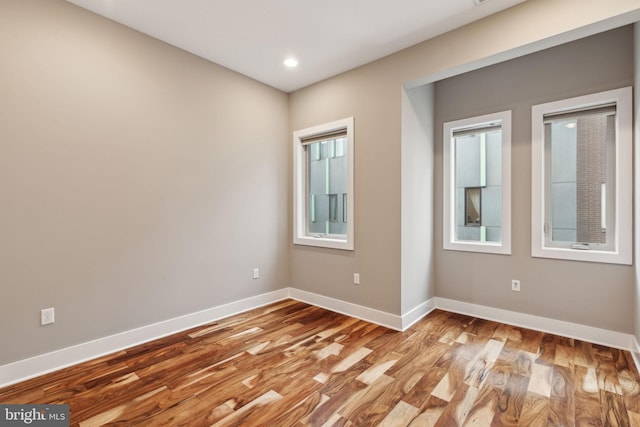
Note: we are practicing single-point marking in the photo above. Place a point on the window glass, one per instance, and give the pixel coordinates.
(472, 206)
(327, 187)
(581, 168)
(477, 178)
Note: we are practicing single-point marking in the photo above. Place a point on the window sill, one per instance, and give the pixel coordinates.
(484, 247)
(591, 255)
(324, 242)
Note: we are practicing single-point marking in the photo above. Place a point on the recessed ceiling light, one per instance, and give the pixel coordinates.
(291, 62)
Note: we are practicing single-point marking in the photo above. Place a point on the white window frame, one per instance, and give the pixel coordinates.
(622, 221)
(300, 235)
(448, 177)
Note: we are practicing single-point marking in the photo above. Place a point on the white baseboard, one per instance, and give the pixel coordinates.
(28, 368)
(543, 324)
(635, 351)
(391, 321)
(411, 317)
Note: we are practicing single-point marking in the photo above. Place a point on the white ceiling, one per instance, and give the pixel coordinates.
(253, 37)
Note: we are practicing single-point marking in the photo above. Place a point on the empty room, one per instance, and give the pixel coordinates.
(414, 213)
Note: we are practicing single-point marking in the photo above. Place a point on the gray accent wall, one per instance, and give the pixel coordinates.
(591, 294)
(138, 182)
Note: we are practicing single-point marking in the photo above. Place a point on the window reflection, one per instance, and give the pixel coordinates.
(472, 206)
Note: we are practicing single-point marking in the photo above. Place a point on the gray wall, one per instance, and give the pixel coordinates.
(587, 293)
(137, 182)
(636, 298)
(329, 272)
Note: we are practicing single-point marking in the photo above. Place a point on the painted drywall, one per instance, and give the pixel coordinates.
(417, 142)
(370, 94)
(636, 121)
(377, 193)
(591, 294)
(137, 182)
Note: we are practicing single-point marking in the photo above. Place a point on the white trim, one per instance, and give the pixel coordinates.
(543, 324)
(622, 252)
(42, 364)
(635, 352)
(382, 318)
(28, 368)
(388, 320)
(449, 190)
(300, 236)
(417, 313)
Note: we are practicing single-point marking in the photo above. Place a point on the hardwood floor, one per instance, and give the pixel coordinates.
(291, 364)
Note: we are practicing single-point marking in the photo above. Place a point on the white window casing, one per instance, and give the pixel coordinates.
(616, 214)
(302, 214)
(451, 206)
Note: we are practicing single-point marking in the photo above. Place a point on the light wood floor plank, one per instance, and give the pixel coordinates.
(535, 411)
(588, 410)
(400, 415)
(562, 397)
(484, 408)
(511, 401)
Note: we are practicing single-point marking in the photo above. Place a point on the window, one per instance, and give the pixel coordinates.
(477, 184)
(323, 185)
(581, 171)
(472, 206)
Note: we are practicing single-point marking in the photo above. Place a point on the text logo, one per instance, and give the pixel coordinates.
(34, 415)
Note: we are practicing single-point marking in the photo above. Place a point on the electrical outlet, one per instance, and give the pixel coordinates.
(47, 316)
(256, 273)
(515, 285)
(356, 278)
